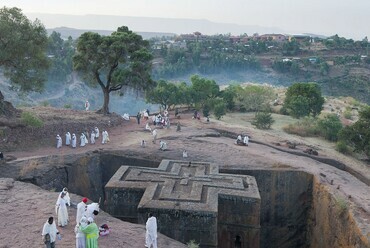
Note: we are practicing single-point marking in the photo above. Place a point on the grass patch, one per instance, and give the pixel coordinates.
(306, 127)
(31, 120)
(342, 205)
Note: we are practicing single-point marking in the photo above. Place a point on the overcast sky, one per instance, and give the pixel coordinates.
(343, 17)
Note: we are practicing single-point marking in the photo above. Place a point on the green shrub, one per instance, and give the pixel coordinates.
(329, 127)
(342, 147)
(347, 114)
(30, 120)
(342, 205)
(192, 244)
(263, 120)
(67, 106)
(219, 110)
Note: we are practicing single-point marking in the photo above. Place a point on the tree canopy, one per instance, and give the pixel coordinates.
(61, 53)
(114, 62)
(302, 99)
(358, 134)
(165, 94)
(23, 50)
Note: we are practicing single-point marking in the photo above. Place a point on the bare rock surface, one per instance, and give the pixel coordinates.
(25, 208)
(342, 176)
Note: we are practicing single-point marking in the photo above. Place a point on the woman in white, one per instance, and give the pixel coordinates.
(74, 141)
(96, 132)
(82, 139)
(92, 137)
(104, 137)
(68, 138)
(66, 196)
(61, 211)
(80, 236)
(59, 141)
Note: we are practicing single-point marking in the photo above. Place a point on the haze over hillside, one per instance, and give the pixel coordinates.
(148, 24)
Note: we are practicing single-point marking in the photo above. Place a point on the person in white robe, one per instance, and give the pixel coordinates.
(81, 209)
(104, 137)
(151, 232)
(146, 115)
(80, 236)
(97, 132)
(92, 137)
(61, 211)
(59, 141)
(92, 210)
(184, 154)
(154, 133)
(68, 138)
(87, 105)
(246, 140)
(74, 141)
(107, 136)
(51, 230)
(66, 196)
(238, 139)
(162, 145)
(82, 139)
(147, 127)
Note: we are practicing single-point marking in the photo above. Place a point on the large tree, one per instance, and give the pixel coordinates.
(302, 99)
(203, 89)
(22, 50)
(113, 62)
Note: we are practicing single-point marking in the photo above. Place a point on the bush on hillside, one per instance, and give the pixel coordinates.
(263, 120)
(342, 147)
(306, 127)
(31, 120)
(329, 127)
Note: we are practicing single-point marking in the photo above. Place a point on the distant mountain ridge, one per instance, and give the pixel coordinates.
(75, 33)
(148, 24)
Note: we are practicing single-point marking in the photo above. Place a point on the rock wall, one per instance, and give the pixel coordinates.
(286, 198)
(331, 221)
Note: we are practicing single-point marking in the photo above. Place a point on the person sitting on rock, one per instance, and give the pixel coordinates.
(246, 140)
(238, 140)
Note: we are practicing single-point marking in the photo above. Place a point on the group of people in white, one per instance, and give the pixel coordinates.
(86, 230)
(242, 140)
(85, 138)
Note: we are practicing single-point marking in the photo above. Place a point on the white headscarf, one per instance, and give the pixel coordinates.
(83, 221)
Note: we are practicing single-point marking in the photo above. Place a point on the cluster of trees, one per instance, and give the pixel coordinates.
(205, 95)
(123, 60)
(29, 57)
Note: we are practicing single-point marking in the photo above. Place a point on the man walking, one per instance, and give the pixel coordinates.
(49, 233)
(151, 231)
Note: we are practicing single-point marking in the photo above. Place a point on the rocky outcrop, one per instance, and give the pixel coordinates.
(332, 215)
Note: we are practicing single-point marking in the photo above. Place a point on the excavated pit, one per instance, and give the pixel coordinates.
(296, 210)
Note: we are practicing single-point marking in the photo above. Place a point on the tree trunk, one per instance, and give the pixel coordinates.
(105, 109)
